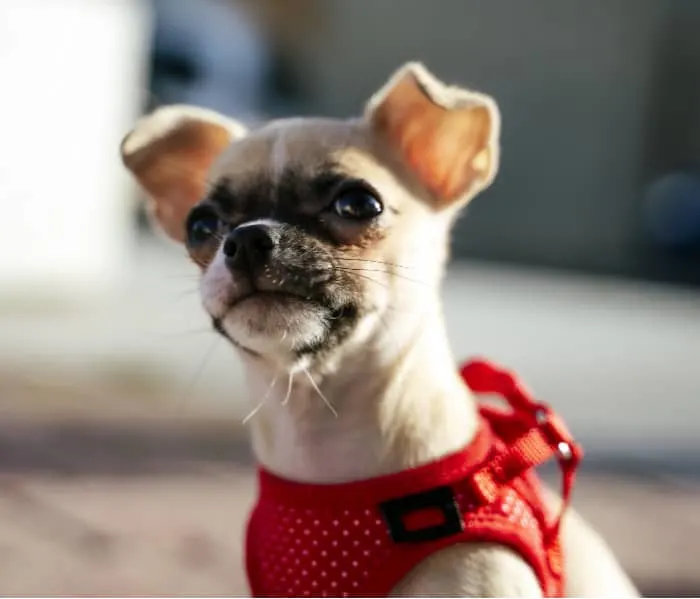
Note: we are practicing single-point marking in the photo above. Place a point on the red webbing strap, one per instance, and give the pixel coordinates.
(546, 436)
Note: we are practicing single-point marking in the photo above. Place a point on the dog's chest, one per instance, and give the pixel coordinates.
(298, 551)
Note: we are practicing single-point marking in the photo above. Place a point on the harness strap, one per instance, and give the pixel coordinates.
(545, 436)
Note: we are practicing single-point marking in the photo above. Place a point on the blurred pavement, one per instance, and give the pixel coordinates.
(182, 535)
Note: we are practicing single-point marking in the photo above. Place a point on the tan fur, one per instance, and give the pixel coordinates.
(395, 397)
(446, 135)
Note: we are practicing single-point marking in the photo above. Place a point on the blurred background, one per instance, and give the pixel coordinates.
(124, 467)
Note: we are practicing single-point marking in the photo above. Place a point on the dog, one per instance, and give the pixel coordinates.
(322, 245)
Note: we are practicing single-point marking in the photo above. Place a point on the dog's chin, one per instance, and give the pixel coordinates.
(276, 325)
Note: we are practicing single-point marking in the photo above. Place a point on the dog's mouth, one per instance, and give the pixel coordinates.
(280, 299)
(281, 313)
(269, 298)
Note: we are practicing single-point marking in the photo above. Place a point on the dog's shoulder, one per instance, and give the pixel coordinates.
(471, 570)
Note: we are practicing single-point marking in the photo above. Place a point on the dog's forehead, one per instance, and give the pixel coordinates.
(304, 145)
(298, 161)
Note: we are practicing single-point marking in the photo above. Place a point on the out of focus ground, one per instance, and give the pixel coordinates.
(138, 504)
(124, 469)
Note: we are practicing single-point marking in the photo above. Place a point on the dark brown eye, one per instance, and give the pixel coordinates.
(202, 224)
(357, 203)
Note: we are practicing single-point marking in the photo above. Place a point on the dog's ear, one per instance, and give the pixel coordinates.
(170, 152)
(446, 136)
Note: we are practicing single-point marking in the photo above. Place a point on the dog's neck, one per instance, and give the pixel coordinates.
(399, 400)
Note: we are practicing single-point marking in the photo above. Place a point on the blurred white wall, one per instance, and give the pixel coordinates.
(74, 75)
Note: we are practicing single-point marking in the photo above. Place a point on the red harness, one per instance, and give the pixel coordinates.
(360, 539)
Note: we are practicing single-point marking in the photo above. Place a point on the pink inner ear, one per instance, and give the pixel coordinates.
(446, 148)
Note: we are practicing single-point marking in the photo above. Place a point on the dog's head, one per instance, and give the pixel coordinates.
(309, 232)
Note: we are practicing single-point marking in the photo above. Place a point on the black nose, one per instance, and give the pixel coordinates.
(249, 246)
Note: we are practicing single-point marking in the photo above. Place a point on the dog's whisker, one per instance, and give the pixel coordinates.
(391, 264)
(395, 274)
(373, 280)
(349, 269)
(290, 380)
(253, 413)
(357, 274)
(329, 405)
(260, 405)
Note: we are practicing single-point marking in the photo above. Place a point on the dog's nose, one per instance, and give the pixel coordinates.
(249, 246)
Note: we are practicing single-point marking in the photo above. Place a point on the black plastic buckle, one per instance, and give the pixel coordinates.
(442, 498)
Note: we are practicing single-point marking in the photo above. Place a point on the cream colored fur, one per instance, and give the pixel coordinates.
(451, 98)
(395, 396)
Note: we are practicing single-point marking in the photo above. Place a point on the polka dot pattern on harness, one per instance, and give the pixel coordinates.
(302, 552)
(312, 555)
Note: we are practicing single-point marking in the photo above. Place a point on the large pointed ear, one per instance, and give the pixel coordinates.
(446, 136)
(170, 152)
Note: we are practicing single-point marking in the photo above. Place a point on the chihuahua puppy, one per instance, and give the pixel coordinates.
(322, 245)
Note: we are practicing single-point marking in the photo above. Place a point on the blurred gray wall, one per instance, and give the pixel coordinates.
(594, 95)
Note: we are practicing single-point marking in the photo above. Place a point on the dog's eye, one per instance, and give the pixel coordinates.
(202, 225)
(357, 203)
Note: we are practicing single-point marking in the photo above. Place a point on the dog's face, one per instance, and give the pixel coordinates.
(309, 231)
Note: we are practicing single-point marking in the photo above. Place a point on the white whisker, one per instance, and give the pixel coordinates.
(321, 395)
(253, 412)
(289, 389)
(257, 408)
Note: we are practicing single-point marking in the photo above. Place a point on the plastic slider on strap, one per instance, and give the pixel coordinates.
(483, 486)
(531, 449)
(544, 436)
(569, 454)
(557, 435)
